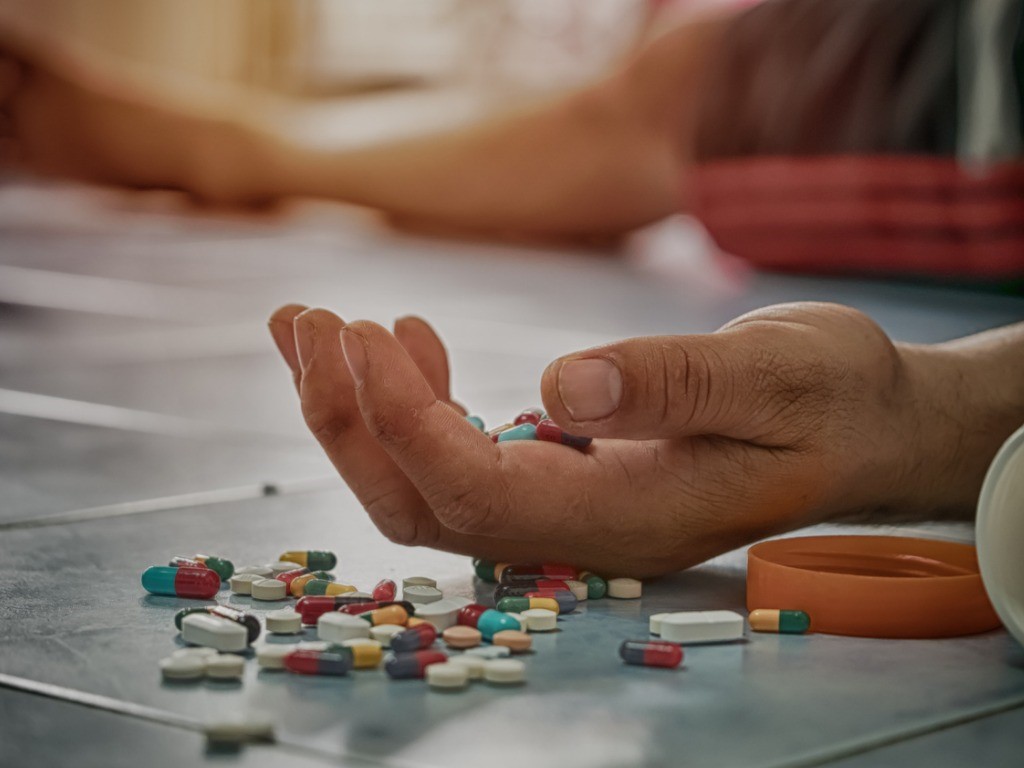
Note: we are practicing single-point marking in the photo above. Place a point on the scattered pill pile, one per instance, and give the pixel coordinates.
(531, 424)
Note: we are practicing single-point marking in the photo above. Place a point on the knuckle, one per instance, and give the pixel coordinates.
(393, 426)
(328, 425)
(469, 510)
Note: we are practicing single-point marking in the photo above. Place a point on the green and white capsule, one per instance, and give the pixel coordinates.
(781, 621)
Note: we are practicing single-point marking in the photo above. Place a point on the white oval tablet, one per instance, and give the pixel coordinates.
(225, 666)
(339, 627)
(182, 667)
(419, 595)
(262, 571)
(284, 621)
(504, 671)
(447, 676)
(196, 652)
(473, 664)
(702, 627)
(313, 645)
(418, 581)
(214, 632)
(442, 614)
(282, 566)
(269, 589)
(272, 656)
(654, 623)
(578, 589)
(540, 620)
(383, 633)
(489, 651)
(241, 583)
(625, 589)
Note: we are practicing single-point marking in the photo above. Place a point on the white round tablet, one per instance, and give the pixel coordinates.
(271, 656)
(196, 653)
(473, 664)
(338, 627)
(383, 633)
(284, 621)
(283, 566)
(504, 671)
(518, 617)
(241, 583)
(225, 666)
(418, 581)
(578, 589)
(540, 620)
(256, 570)
(654, 623)
(269, 589)
(447, 676)
(419, 595)
(625, 589)
(182, 667)
(442, 614)
(489, 651)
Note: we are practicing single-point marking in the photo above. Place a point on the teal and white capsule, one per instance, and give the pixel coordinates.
(780, 621)
(521, 432)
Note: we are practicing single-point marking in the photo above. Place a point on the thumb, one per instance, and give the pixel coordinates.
(664, 387)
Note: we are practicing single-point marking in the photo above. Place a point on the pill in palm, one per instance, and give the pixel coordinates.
(532, 416)
(550, 432)
(521, 432)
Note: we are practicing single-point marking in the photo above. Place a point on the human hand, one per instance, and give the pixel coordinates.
(788, 416)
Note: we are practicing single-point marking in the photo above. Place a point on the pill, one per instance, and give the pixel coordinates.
(200, 583)
(441, 614)
(262, 571)
(513, 573)
(389, 614)
(287, 577)
(182, 667)
(284, 622)
(654, 623)
(521, 432)
(447, 676)
(458, 601)
(418, 581)
(517, 604)
(516, 641)
(421, 595)
(214, 632)
(651, 653)
(505, 671)
(383, 633)
(518, 617)
(469, 615)
(184, 562)
(625, 589)
(243, 730)
(415, 639)
(564, 599)
(197, 652)
(327, 662)
(315, 560)
(283, 566)
(404, 666)
(385, 590)
(578, 589)
(474, 665)
(312, 607)
(541, 620)
(366, 653)
(362, 595)
(596, 586)
(774, 620)
(491, 622)
(484, 570)
(461, 637)
(338, 627)
(354, 609)
(495, 433)
(219, 565)
(523, 588)
(269, 589)
(532, 416)
(550, 432)
(241, 583)
(702, 627)
(297, 586)
(324, 587)
(247, 620)
(225, 666)
(272, 656)
(313, 645)
(489, 651)
(414, 621)
(477, 422)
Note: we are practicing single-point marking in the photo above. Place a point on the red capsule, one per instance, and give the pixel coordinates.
(312, 607)
(402, 666)
(566, 600)
(517, 573)
(354, 609)
(309, 662)
(385, 590)
(419, 637)
(550, 432)
(651, 653)
(469, 615)
(520, 588)
(289, 576)
(529, 416)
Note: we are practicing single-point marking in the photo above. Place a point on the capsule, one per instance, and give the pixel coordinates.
(297, 585)
(366, 655)
(385, 590)
(477, 422)
(520, 604)
(651, 653)
(484, 570)
(782, 621)
(550, 432)
(311, 662)
(224, 568)
(405, 666)
(490, 622)
(250, 622)
(389, 614)
(312, 607)
(415, 639)
(530, 416)
(364, 606)
(522, 432)
(469, 615)
(596, 586)
(512, 574)
(325, 587)
(521, 588)
(200, 583)
(496, 432)
(565, 599)
(315, 560)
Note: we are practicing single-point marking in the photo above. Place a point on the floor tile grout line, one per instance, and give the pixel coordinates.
(176, 502)
(864, 745)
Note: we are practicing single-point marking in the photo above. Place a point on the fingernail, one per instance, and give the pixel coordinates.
(305, 340)
(355, 356)
(590, 389)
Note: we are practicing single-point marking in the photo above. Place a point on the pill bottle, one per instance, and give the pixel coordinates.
(999, 534)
